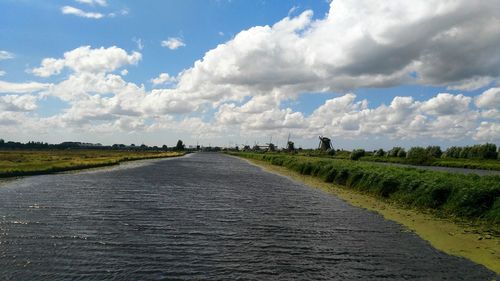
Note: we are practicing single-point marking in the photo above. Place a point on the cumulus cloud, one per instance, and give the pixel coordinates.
(2, 72)
(358, 44)
(247, 79)
(446, 104)
(173, 43)
(488, 132)
(86, 59)
(489, 99)
(18, 102)
(69, 10)
(163, 78)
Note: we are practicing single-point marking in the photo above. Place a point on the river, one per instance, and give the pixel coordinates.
(205, 216)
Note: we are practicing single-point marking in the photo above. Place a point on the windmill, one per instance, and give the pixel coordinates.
(325, 143)
(270, 146)
(290, 146)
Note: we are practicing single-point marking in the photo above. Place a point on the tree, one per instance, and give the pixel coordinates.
(401, 153)
(418, 155)
(179, 146)
(357, 153)
(434, 151)
(379, 152)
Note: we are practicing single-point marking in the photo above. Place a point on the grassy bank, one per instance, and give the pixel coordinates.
(465, 240)
(467, 197)
(34, 162)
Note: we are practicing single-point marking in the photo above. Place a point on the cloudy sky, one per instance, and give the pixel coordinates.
(365, 73)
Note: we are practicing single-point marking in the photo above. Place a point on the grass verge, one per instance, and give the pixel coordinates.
(471, 241)
(15, 163)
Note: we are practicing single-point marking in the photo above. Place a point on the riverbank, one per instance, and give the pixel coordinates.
(475, 241)
(14, 163)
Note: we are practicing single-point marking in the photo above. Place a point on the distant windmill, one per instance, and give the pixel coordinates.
(325, 144)
(290, 146)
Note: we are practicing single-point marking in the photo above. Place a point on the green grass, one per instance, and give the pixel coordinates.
(451, 195)
(484, 164)
(31, 162)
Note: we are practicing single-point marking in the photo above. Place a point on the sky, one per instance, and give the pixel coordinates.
(368, 74)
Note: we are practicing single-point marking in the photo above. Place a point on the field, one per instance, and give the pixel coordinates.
(469, 197)
(484, 164)
(32, 162)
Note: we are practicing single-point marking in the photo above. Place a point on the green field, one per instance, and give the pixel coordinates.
(484, 164)
(469, 197)
(31, 162)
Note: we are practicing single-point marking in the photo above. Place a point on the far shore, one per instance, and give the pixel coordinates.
(16, 163)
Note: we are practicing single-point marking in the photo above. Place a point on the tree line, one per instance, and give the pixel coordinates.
(81, 145)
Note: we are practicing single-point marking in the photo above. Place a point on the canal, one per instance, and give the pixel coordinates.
(206, 216)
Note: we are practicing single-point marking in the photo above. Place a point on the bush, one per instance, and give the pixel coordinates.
(357, 153)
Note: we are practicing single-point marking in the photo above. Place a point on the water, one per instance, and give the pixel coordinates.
(205, 216)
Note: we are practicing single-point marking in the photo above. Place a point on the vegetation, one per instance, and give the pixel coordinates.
(31, 162)
(357, 153)
(480, 151)
(452, 195)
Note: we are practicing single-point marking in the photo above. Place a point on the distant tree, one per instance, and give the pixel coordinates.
(379, 153)
(401, 153)
(179, 146)
(418, 155)
(394, 151)
(164, 147)
(434, 151)
(357, 153)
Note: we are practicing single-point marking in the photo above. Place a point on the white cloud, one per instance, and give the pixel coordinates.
(18, 102)
(69, 10)
(358, 44)
(489, 132)
(102, 3)
(489, 99)
(163, 78)
(124, 72)
(86, 59)
(28, 87)
(2, 72)
(446, 104)
(5, 55)
(173, 43)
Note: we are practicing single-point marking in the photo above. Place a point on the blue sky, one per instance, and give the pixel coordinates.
(366, 74)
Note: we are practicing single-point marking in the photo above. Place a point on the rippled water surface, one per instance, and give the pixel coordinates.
(204, 216)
